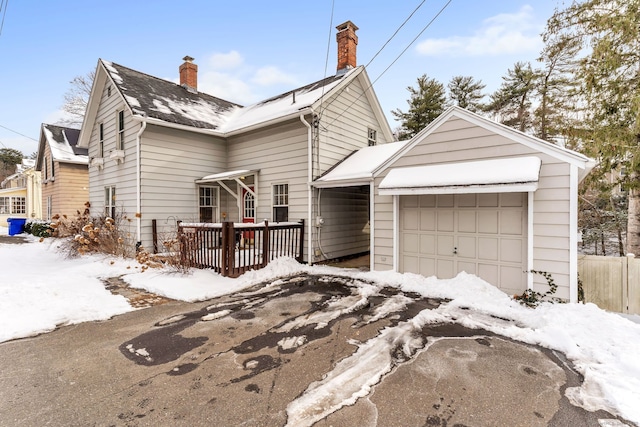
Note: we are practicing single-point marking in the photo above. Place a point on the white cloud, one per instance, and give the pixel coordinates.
(270, 75)
(225, 61)
(503, 34)
(226, 86)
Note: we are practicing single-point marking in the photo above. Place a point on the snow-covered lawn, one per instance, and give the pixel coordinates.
(41, 289)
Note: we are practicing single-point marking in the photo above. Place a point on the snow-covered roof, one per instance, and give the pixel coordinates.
(505, 174)
(152, 97)
(63, 143)
(359, 166)
(222, 176)
(155, 98)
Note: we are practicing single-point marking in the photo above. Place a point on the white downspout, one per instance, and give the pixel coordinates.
(309, 188)
(143, 126)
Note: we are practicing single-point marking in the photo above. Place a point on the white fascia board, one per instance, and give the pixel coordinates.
(158, 122)
(469, 189)
(344, 183)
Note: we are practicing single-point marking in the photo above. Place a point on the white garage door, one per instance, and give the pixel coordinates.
(482, 234)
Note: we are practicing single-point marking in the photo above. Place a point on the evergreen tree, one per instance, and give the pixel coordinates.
(9, 158)
(466, 92)
(608, 72)
(512, 102)
(426, 103)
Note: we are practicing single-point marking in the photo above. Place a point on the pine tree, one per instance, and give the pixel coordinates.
(426, 103)
(608, 72)
(466, 92)
(512, 102)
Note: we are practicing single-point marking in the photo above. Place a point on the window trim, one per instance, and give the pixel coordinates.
(101, 140)
(215, 206)
(120, 130)
(279, 203)
(110, 201)
(372, 137)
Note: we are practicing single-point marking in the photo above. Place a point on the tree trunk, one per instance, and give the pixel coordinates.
(633, 223)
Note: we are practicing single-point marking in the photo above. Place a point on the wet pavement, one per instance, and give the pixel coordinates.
(305, 351)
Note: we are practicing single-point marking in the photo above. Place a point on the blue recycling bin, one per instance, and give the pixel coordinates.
(16, 225)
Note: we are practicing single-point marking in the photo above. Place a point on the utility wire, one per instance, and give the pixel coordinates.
(393, 62)
(3, 10)
(326, 60)
(21, 134)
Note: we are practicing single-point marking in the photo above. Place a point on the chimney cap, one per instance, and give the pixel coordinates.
(188, 59)
(346, 25)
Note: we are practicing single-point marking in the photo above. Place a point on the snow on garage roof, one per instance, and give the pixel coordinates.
(518, 174)
(358, 167)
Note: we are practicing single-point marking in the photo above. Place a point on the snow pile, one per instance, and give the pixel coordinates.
(41, 289)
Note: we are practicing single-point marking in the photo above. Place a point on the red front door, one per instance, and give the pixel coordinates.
(248, 212)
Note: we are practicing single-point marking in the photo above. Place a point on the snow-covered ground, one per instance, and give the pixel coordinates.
(41, 289)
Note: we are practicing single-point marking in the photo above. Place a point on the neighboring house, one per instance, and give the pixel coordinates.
(63, 167)
(20, 195)
(166, 152)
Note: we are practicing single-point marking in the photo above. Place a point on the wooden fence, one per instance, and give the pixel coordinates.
(612, 283)
(232, 248)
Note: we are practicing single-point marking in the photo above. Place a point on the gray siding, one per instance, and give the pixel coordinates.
(280, 154)
(458, 140)
(121, 175)
(171, 162)
(343, 126)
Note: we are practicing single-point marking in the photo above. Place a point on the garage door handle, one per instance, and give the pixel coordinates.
(455, 251)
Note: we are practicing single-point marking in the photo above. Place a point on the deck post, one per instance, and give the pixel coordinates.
(300, 258)
(266, 256)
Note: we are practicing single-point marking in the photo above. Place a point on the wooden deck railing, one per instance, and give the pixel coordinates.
(232, 248)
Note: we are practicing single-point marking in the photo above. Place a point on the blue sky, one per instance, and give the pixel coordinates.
(250, 50)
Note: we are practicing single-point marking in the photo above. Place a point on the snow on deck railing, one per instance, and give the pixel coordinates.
(234, 248)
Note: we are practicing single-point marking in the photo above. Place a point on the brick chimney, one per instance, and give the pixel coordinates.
(189, 74)
(347, 42)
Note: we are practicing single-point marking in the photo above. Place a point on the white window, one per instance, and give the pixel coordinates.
(281, 202)
(110, 201)
(120, 136)
(372, 136)
(101, 140)
(5, 205)
(49, 208)
(208, 204)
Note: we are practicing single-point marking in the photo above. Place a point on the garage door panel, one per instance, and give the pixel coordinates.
(511, 200)
(411, 243)
(468, 267)
(410, 219)
(445, 201)
(428, 201)
(445, 244)
(428, 244)
(489, 272)
(467, 221)
(511, 250)
(488, 248)
(511, 222)
(467, 201)
(466, 247)
(489, 200)
(411, 264)
(409, 202)
(445, 220)
(511, 277)
(488, 222)
(444, 268)
(428, 267)
(427, 220)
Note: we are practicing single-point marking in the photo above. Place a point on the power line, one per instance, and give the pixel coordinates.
(3, 10)
(394, 61)
(326, 61)
(16, 132)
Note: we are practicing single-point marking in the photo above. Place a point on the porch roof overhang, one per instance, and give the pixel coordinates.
(508, 175)
(225, 176)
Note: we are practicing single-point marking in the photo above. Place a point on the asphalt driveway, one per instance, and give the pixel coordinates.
(318, 351)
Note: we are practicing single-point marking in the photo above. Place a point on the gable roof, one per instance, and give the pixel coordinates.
(63, 144)
(584, 163)
(160, 99)
(165, 103)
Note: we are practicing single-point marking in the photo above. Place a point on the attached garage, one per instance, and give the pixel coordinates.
(468, 194)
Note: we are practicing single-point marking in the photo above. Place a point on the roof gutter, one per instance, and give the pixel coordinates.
(143, 126)
(158, 122)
